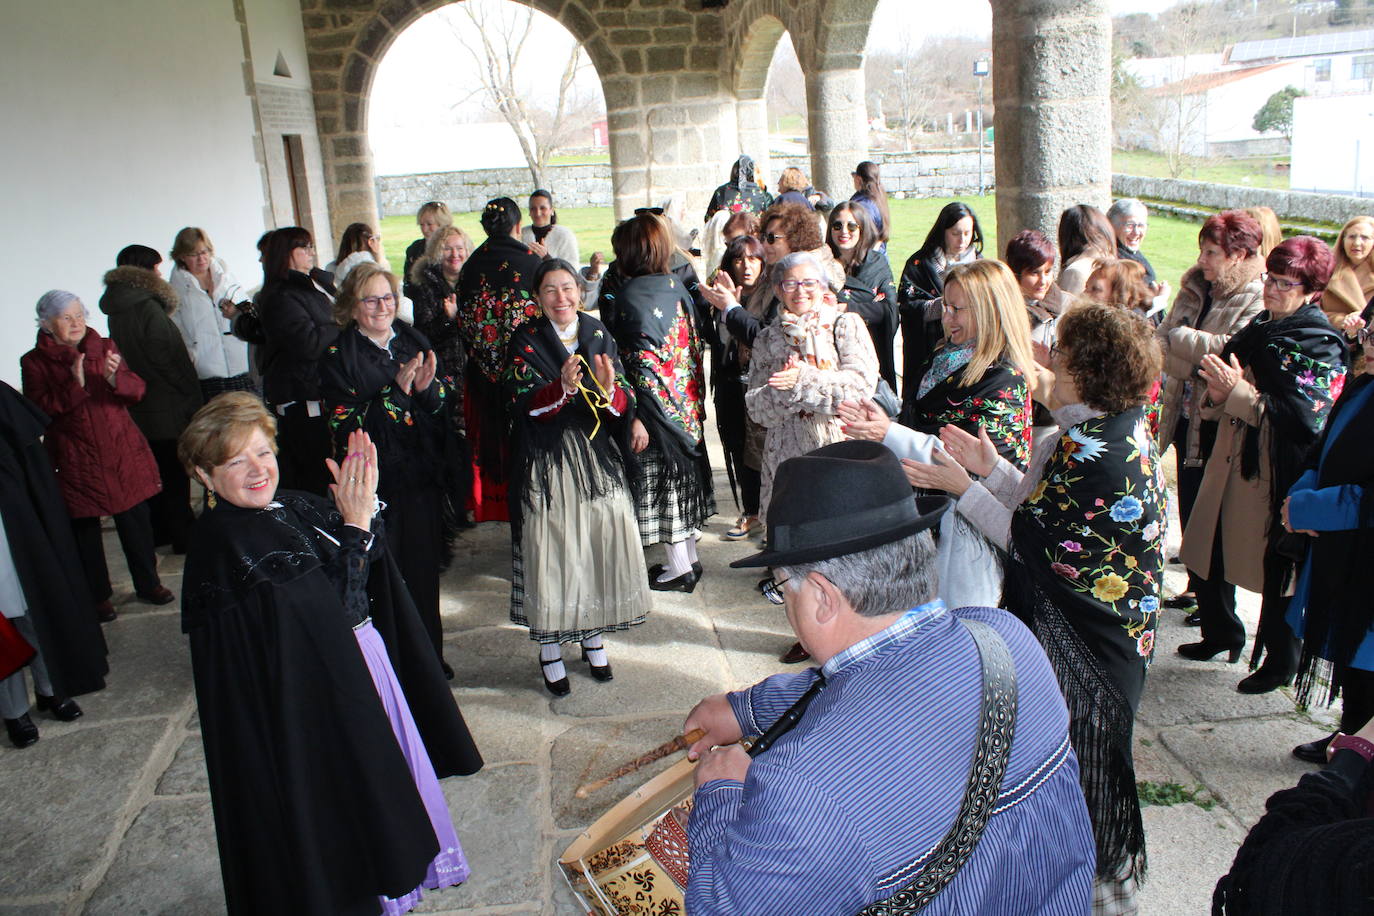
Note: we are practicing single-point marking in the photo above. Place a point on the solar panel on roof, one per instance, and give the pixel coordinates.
(1304, 46)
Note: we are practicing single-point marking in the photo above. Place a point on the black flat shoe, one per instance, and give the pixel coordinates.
(63, 709)
(159, 596)
(1205, 651)
(687, 582)
(599, 672)
(1314, 751)
(22, 731)
(1180, 602)
(560, 687)
(1193, 620)
(657, 570)
(1264, 681)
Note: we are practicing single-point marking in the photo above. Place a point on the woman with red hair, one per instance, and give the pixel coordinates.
(1272, 385)
(1216, 298)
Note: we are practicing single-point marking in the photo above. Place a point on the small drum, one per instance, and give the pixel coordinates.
(633, 860)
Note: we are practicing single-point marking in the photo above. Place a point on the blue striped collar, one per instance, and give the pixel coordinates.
(907, 624)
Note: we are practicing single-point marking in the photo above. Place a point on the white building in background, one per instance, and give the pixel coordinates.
(1206, 104)
(1333, 144)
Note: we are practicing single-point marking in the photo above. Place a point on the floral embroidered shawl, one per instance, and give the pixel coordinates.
(999, 402)
(494, 299)
(1085, 571)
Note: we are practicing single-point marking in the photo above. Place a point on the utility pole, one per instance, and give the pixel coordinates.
(980, 70)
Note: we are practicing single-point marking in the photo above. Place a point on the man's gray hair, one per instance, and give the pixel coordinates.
(887, 579)
(1125, 208)
(797, 259)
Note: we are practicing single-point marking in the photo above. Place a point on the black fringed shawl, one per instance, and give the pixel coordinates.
(1339, 613)
(1298, 363)
(1085, 570)
(536, 361)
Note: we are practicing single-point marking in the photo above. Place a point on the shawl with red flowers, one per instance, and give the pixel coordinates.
(998, 402)
(494, 299)
(1085, 573)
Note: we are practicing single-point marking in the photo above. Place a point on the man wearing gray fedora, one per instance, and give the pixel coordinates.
(924, 765)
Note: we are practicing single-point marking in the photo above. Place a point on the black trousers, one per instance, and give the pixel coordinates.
(1275, 637)
(1190, 479)
(415, 537)
(1216, 601)
(303, 443)
(135, 529)
(170, 509)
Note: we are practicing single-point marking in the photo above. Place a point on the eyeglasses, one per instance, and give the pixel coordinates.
(791, 286)
(1133, 225)
(844, 227)
(1279, 283)
(376, 302)
(772, 590)
(773, 238)
(1363, 335)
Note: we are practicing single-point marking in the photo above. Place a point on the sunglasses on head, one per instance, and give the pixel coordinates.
(655, 211)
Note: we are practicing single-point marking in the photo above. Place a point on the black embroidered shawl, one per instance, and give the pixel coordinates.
(494, 298)
(1085, 571)
(999, 402)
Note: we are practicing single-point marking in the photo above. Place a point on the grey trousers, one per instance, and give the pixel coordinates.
(14, 690)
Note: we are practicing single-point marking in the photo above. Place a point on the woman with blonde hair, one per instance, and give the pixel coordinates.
(210, 298)
(1352, 282)
(1125, 284)
(432, 216)
(980, 378)
(1271, 231)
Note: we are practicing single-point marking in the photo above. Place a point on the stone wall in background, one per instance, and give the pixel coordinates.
(1289, 205)
(937, 173)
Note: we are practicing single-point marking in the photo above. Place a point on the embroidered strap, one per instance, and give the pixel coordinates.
(996, 725)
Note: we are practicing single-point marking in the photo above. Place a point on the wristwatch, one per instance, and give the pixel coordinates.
(1353, 743)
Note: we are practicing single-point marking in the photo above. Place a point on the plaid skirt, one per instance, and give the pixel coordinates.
(671, 506)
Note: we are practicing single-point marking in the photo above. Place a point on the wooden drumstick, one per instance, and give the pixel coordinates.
(680, 743)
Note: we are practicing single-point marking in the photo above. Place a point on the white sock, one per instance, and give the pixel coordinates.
(678, 562)
(692, 550)
(596, 652)
(547, 653)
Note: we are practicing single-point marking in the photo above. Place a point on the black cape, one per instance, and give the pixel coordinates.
(44, 552)
(870, 293)
(998, 402)
(315, 807)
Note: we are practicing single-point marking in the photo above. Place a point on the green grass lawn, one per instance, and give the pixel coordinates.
(1256, 172)
(1171, 244)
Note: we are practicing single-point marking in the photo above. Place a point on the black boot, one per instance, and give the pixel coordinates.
(22, 731)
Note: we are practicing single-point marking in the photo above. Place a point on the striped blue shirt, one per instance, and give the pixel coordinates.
(840, 812)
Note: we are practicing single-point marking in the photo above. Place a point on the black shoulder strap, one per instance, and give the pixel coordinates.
(996, 725)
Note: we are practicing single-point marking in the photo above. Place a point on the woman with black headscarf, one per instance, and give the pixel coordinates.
(740, 193)
(494, 298)
(1273, 384)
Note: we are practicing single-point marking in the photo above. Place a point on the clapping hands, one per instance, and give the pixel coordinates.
(417, 373)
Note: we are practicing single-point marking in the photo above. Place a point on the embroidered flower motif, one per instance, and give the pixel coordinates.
(1039, 491)
(1145, 644)
(1071, 546)
(598, 333)
(1064, 570)
(658, 312)
(1337, 385)
(1127, 509)
(1085, 447)
(1110, 588)
(1150, 531)
(1150, 604)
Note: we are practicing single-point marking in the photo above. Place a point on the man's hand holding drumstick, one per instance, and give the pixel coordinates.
(720, 754)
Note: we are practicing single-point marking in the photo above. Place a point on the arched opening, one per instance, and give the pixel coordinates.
(771, 92)
(486, 85)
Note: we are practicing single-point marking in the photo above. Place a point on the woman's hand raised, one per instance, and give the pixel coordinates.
(722, 294)
(604, 370)
(571, 374)
(864, 420)
(945, 474)
(425, 372)
(355, 481)
(977, 455)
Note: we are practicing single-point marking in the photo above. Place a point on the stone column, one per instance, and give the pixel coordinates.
(837, 125)
(1051, 80)
(752, 118)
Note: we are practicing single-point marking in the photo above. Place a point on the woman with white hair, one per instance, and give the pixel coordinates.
(805, 362)
(104, 464)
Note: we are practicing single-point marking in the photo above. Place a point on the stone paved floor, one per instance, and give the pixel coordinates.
(110, 814)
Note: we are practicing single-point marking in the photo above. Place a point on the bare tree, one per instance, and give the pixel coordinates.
(921, 83)
(495, 36)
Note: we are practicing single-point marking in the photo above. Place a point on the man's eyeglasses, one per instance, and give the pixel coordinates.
(791, 286)
(1279, 283)
(772, 590)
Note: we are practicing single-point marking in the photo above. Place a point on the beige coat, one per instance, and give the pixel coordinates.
(1240, 506)
(1236, 299)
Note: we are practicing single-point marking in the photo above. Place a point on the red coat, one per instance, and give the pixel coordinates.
(103, 463)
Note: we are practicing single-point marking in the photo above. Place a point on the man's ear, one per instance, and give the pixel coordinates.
(828, 599)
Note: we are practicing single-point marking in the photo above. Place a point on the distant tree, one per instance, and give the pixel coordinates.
(1277, 113)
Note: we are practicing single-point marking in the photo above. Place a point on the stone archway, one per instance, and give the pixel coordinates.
(751, 63)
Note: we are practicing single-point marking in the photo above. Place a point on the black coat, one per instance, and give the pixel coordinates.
(140, 304)
(921, 282)
(298, 322)
(315, 807)
(871, 294)
(44, 552)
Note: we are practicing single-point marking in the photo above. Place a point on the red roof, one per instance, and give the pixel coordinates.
(1205, 82)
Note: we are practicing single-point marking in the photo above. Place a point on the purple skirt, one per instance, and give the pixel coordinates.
(449, 866)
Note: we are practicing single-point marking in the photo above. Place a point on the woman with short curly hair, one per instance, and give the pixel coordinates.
(1083, 531)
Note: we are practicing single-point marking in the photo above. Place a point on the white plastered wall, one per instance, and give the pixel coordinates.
(124, 122)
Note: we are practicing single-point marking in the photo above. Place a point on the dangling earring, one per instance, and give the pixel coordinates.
(210, 498)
